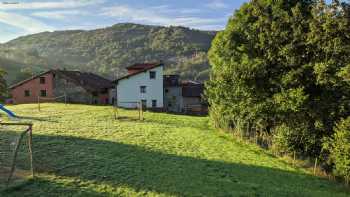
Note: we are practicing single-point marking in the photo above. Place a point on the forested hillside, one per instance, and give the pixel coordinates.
(108, 51)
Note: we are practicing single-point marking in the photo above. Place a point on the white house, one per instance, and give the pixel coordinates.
(144, 83)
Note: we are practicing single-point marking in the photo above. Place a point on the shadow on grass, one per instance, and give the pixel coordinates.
(116, 164)
(128, 118)
(40, 119)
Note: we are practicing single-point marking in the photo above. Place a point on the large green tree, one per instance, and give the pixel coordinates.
(282, 66)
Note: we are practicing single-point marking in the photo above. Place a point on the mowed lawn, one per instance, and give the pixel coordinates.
(81, 150)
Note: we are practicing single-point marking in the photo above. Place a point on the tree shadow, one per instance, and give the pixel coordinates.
(40, 119)
(128, 118)
(117, 164)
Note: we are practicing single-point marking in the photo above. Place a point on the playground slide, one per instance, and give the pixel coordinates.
(8, 112)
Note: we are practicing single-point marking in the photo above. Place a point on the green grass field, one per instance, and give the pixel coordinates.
(81, 150)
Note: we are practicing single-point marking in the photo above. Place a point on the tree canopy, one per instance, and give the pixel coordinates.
(283, 67)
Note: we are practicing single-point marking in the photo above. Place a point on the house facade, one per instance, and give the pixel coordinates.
(183, 96)
(144, 83)
(192, 98)
(79, 87)
(172, 93)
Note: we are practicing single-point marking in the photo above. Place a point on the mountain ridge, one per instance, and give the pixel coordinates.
(107, 51)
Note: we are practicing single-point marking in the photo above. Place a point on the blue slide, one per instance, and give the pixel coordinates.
(8, 112)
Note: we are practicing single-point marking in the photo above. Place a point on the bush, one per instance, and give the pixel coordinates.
(339, 149)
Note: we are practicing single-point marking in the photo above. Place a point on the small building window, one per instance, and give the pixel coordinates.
(152, 74)
(143, 89)
(166, 90)
(154, 103)
(43, 93)
(26, 93)
(42, 80)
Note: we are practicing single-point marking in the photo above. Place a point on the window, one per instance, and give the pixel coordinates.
(43, 93)
(26, 93)
(144, 104)
(143, 89)
(166, 90)
(152, 74)
(154, 103)
(42, 80)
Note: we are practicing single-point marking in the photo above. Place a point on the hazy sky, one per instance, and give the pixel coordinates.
(22, 17)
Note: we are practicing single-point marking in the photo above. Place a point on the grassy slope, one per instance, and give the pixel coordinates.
(80, 150)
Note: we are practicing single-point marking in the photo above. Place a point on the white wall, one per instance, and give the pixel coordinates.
(128, 89)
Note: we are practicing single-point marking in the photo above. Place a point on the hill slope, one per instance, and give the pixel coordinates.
(107, 51)
(81, 150)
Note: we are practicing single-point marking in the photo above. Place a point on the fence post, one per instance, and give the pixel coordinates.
(141, 111)
(315, 166)
(294, 158)
(140, 106)
(39, 103)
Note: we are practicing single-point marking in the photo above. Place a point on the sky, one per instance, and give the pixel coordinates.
(23, 17)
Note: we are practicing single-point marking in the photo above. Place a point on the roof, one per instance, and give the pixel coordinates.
(146, 68)
(29, 79)
(190, 82)
(192, 89)
(89, 81)
(141, 66)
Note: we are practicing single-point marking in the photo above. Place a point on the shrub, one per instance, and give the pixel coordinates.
(339, 149)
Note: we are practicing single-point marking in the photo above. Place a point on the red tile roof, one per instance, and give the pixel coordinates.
(141, 66)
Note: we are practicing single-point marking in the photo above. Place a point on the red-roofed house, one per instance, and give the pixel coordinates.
(144, 83)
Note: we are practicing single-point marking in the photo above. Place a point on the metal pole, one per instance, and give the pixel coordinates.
(15, 153)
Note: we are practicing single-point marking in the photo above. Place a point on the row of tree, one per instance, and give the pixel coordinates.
(282, 69)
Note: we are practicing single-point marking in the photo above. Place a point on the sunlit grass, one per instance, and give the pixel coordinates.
(81, 150)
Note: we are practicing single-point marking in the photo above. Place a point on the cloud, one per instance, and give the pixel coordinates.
(28, 24)
(59, 15)
(216, 4)
(64, 4)
(157, 16)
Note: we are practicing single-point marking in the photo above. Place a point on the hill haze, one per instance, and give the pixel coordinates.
(109, 50)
